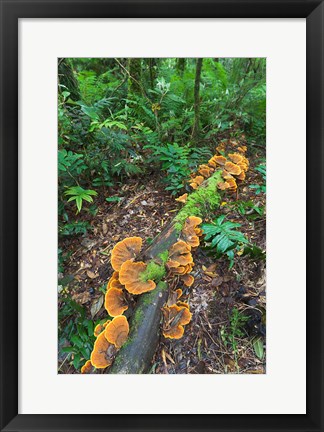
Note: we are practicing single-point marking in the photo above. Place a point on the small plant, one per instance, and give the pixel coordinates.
(249, 209)
(234, 332)
(78, 194)
(74, 228)
(254, 252)
(223, 238)
(77, 331)
(260, 188)
(70, 162)
(175, 161)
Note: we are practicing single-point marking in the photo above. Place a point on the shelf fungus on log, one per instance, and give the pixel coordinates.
(232, 184)
(175, 318)
(242, 149)
(182, 198)
(219, 160)
(131, 275)
(174, 297)
(191, 232)
(125, 250)
(115, 302)
(187, 279)
(103, 352)
(87, 368)
(136, 354)
(235, 157)
(196, 182)
(117, 331)
(179, 254)
(232, 168)
(205, 170)
(100, 327)
(223, 185)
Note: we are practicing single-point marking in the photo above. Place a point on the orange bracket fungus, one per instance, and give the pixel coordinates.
(179, 254)
(187, 279)
(219, 160)
(117, 331)
(196, 181)
(190, 232)
(131, 275)
(115, 302)
(205, 171)
(87, 367)
(99, 328)
(125, 250)
(232, 168)
(102, 353)
(182, 198)
(235, 157)
(175, 317)
(223, 185)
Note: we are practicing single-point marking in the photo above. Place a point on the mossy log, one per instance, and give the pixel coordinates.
(136, 355)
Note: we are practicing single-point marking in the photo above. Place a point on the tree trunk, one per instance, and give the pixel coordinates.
(153, 71)
(66, 77)
(181, 64)
(135, 72)
(196, 127)
(136, 355)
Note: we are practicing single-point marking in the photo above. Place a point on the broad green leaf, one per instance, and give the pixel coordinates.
(258, 347)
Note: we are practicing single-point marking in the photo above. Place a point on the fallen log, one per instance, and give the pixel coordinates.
(136, 354)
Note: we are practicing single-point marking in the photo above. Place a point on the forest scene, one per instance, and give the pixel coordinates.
(161, 215)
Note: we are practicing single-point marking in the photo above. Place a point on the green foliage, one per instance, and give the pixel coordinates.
(113, 199)
(78, 194)
(260, 188)
(174, 161)
(105, 134)
(234, 331)
(223, 238)
(70, 165)
(254, 252)
(76, 331)
(62, 257)
(249, 209)
(74, 228)
(177, 162)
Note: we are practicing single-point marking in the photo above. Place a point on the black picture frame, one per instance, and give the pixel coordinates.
(11, 11)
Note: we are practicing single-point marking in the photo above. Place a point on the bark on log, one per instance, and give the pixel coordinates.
(136, 355)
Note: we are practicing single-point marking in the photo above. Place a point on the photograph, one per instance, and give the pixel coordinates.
(161, 215)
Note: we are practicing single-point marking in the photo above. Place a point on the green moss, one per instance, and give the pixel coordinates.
(164, 256)
(205, 199)
(153, 271)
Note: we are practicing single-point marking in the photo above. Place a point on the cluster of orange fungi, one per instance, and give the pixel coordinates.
(128, 280)
(234, 167)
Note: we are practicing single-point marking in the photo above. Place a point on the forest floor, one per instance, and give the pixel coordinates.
(218, 340)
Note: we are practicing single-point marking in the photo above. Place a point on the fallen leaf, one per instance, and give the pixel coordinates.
(258, 347)
(104, 229)
(91, 274)
(163, 357)
(169, 357)
(217, 281)
(212, 267)
(96, 306)
(81, 298)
